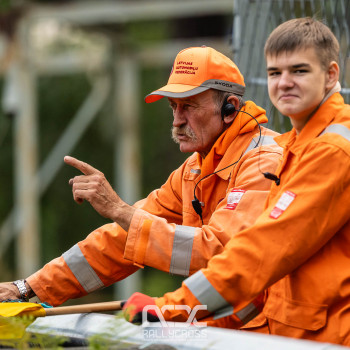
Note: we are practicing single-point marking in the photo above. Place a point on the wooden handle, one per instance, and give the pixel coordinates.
(84, 308)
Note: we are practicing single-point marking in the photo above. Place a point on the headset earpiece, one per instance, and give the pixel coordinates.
(227, 109)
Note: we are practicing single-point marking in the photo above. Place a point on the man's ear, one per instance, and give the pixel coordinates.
(332, 75)
(234, 101)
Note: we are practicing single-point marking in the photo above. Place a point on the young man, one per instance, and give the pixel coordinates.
(224, 176)
(297, 251)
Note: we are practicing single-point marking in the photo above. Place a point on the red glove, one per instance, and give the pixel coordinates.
(133, 309)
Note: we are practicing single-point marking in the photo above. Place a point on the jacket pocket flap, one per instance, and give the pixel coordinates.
(294, 313)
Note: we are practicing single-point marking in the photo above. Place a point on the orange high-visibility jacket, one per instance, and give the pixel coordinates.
(298, 249)
(165, 232)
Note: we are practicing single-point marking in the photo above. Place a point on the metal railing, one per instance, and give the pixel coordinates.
(253, 22)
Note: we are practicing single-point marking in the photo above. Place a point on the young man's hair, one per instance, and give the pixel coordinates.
(303, 33)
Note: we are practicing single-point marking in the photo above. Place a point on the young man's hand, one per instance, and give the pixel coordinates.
(133, 309)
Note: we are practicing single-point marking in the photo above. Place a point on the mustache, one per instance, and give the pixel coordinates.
(184, 131)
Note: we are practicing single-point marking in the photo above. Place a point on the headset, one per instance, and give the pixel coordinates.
(226, 110)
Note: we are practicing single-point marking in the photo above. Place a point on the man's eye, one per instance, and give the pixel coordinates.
(273, 73)
(300, 71)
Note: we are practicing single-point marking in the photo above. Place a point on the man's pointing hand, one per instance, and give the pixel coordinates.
(93, 187)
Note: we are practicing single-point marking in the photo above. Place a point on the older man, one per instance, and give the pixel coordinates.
(218, 191)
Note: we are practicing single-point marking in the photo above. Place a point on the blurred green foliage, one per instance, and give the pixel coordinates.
(63, 221)
(5, 5)
(6, 183)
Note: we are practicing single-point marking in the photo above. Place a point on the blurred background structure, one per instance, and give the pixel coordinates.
(73, 75)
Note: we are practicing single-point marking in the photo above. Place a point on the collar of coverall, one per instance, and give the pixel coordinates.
(197, 69)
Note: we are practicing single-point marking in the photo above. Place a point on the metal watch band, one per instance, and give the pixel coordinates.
(20, 284)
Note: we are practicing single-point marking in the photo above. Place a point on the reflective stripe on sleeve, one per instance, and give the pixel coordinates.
(226, 311)
(248, 313)
(82, 270)
(264, 141)
(205, 293)
(182, 250)
(245, 315)
(338, 129)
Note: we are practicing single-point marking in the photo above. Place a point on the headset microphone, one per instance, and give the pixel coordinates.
(272, 177)
(268, 175)
(197, 207)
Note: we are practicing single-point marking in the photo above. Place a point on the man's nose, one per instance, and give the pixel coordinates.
(286, 81)
(179, 118)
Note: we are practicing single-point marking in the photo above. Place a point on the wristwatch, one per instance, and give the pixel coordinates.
(23, 291)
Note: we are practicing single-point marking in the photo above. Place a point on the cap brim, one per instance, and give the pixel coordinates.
(182, 90)
(175, 91)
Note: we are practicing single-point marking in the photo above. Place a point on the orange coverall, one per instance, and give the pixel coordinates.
(165, 232)
(298, 249)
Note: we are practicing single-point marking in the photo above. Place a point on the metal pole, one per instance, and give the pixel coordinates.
(127, 146)
(26, 150)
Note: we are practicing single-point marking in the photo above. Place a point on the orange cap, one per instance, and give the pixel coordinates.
(198, 69)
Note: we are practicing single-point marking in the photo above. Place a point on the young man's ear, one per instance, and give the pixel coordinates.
(332, 75)
(234, 101)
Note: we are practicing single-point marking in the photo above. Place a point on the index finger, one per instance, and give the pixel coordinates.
(85, 168)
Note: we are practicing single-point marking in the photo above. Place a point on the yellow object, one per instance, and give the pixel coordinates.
(15, 317)
(21, 309)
